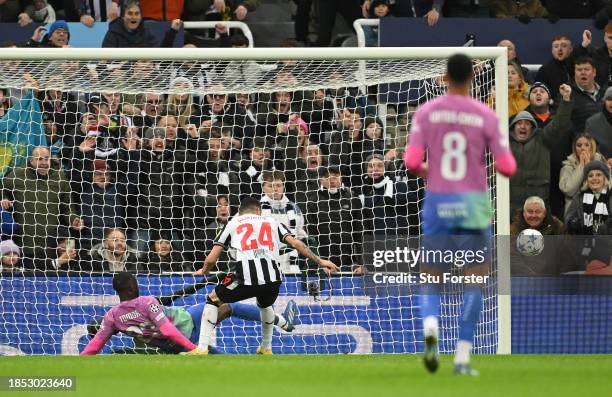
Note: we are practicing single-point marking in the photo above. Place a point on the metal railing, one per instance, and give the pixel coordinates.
(358, 26)
(230, 25)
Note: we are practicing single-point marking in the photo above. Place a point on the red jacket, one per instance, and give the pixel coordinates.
(162, 10)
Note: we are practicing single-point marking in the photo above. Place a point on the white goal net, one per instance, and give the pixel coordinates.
(136, 161)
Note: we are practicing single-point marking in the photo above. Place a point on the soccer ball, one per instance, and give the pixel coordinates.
(530, 242)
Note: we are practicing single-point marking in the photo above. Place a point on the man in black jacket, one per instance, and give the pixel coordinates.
(334, 218)
(587, 93)
(164, 189)
(247, 175)
(386, 202)
(600, 56)
(560, 69)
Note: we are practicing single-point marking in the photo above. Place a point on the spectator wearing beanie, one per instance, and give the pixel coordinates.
(584, 150)
(540, 102)
(589, 214)
(58, 36)
(10, 257)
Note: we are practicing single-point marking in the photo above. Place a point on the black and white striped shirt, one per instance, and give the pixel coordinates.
(256, 241)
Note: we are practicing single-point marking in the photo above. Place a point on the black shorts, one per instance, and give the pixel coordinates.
(231, 291)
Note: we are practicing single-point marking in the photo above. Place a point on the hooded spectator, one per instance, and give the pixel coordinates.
(531, 149)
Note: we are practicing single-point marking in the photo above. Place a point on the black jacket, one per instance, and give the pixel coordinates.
(173, 262)
(554, 73)
(600, 57)
(162, 188)
(101, 208)
(584, 107)
(574, 8)
(119, 37)
(335, 220)
(386, 206)
(248, 178)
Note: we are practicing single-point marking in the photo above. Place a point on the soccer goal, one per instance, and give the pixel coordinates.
(148, 152)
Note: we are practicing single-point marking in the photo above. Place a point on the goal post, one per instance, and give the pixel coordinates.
(74, 298)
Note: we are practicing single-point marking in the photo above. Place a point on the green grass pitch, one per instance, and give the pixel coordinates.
(318, 375)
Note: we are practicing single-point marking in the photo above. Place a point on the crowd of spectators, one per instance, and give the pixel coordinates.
(314, 20)
(143, 182)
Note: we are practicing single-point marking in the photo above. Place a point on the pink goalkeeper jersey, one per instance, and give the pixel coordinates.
(140, 318)
(456, 131)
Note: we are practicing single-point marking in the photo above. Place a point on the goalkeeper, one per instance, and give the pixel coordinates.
(170, 329)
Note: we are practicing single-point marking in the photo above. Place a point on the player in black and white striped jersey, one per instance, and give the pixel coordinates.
(256, 240)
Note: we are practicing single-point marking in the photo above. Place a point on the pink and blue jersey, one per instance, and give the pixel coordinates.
(145, 319)
(140, 318)
(456, 132)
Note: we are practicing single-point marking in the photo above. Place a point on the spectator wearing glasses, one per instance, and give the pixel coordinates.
(152, 108)
(216, 109)
(113, 254)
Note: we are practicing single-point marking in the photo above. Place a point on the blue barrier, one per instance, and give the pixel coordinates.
(47, 315)
(532, 40)
(80, 35)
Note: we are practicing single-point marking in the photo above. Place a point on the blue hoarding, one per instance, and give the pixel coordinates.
(48, 315)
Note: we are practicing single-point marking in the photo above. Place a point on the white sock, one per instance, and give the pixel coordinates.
(280, 321)
(430, 326)
(267, 325)
(462, 355)
(209, 319)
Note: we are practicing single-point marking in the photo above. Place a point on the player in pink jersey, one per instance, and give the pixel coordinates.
(456, 132)
(186, 319)
(141, 317)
